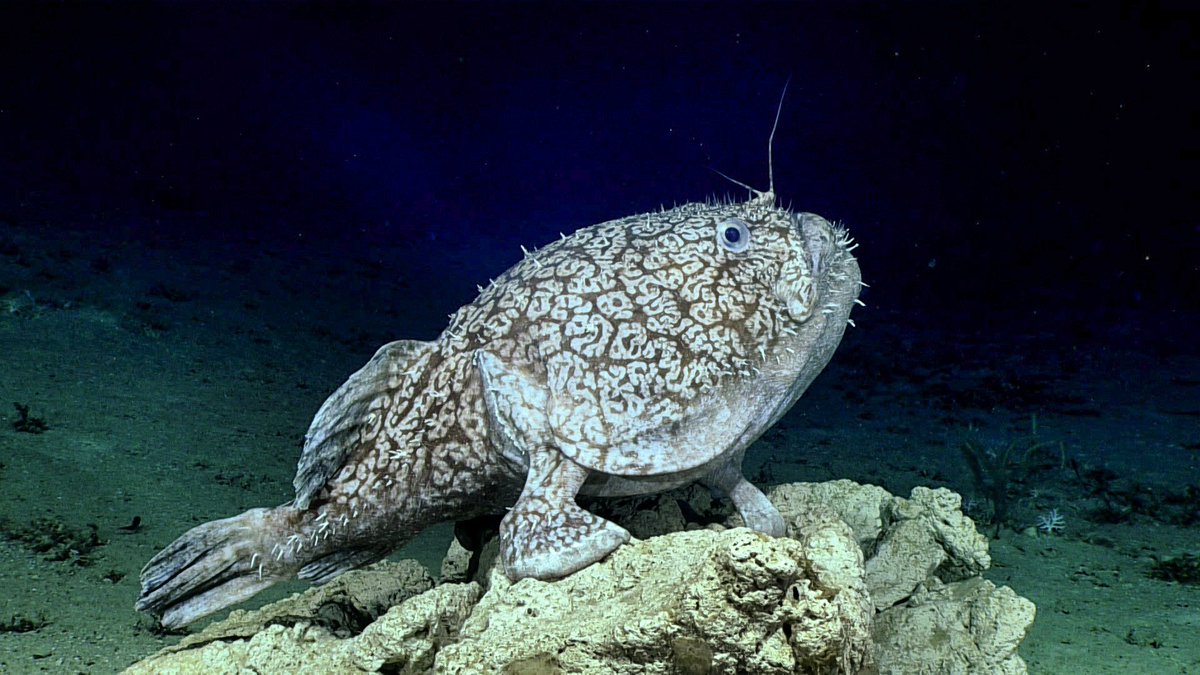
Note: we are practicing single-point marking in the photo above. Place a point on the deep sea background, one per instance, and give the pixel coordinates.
(1040, 153)
(212, 212)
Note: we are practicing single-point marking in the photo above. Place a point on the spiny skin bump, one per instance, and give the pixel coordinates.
(634, 356)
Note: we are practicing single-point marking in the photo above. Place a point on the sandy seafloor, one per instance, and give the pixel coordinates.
(177, 377)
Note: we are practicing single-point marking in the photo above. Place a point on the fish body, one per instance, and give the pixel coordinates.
(634, 356)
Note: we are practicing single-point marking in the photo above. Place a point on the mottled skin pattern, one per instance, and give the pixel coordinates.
(631, 357)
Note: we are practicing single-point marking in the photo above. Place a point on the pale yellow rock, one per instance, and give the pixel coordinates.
(684, 602)
(409, 636)
(314, 634)
(862, 507)
(964, 627)
(456, 562)
(653, 515)
(699, 601)
(926, 536)
(274, 649)
(966, 548)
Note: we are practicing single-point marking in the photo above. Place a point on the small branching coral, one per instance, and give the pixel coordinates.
(27, 423)
(1051, 522)
(995, 470)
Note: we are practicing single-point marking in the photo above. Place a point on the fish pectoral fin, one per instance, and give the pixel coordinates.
(516, 401)
(546, 535)
(756, 510)
(330, 566)
(532, 547)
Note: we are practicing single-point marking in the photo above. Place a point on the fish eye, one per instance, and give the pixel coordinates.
(733, 235)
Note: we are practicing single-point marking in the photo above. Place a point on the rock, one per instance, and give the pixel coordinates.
(926, 536)
(343, 607)
(404, 640)
(688, 602)
(325, 628)
(907, 541)
(964, 627)
(865, 582)
(688, 508)
(862, 507)
(410, 635)
(456, 565)
(472, 552)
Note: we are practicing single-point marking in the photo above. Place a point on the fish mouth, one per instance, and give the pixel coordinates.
(819, 241)
(823, 274)
(799, 282)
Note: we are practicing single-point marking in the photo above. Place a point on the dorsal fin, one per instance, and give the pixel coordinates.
(771, 142)
(767, 197)
(336, 429)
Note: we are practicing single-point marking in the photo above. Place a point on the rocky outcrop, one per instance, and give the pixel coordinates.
(924, 561)
(906, 540)
(865, 582)
(965, 627)
(388, 615)
(691, 602)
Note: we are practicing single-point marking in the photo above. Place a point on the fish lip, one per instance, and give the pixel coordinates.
(812, 277)
(797, 287)
(817, 234)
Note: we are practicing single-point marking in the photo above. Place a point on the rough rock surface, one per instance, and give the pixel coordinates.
(331, 629)
(865, 582)
(964, 627)
(683, 602)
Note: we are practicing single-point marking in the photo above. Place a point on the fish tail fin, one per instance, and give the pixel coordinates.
(218, 564)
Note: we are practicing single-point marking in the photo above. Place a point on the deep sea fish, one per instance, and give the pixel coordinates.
(632, 357)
